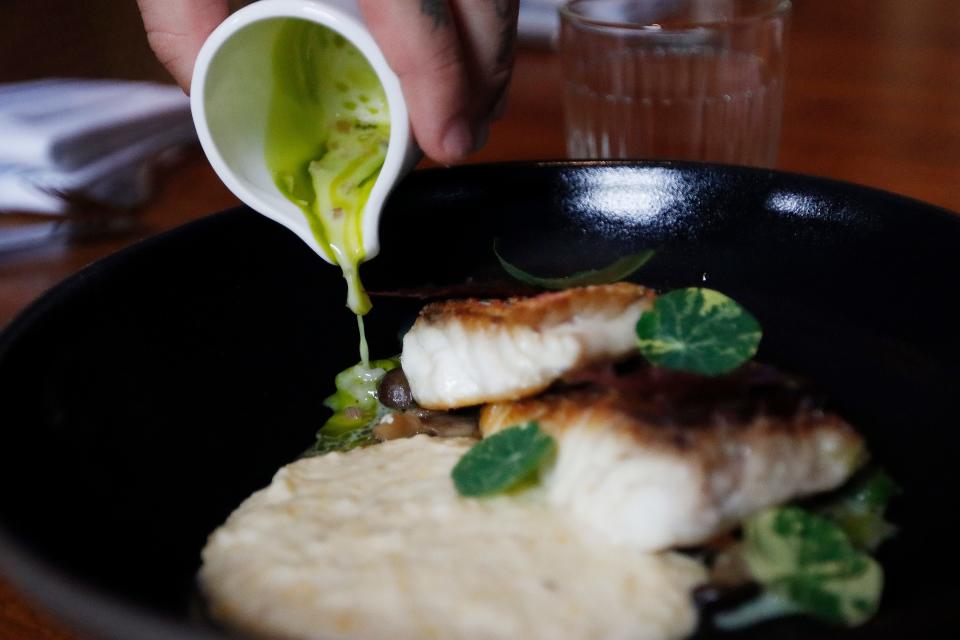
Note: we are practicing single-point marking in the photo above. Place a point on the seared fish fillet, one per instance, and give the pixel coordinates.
(375, 544)
(467, 352)
(675, 460)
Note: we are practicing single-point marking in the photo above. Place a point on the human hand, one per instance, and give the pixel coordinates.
(453, 57)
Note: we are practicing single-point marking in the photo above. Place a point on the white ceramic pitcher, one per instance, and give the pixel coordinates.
(230, 98)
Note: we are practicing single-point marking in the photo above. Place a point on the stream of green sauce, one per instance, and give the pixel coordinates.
(326, 140)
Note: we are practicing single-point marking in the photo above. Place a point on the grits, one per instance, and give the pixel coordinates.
(376, 543)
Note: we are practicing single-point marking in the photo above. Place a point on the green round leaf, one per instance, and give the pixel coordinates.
(698, 330)
(808, 560)
(503, 461)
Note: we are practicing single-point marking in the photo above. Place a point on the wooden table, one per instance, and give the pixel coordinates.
(873, 96)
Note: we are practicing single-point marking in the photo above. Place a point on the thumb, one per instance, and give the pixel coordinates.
(177, 29)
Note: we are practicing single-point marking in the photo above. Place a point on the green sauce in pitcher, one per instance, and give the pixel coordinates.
(327, 136)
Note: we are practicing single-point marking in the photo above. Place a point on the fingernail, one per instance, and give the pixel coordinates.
(458, 140)
(482, 135)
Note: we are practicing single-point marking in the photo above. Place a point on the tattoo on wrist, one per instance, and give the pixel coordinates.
(437, 11)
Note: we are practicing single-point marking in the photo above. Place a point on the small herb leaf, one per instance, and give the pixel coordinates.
(809, 562)
(503, 461)
(698, 330)
(860, 508)
(613, 272)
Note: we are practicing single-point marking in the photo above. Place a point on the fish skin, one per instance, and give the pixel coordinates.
(467, 352)
(636, 470)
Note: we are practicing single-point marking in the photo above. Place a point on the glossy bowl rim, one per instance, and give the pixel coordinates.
(93, 610)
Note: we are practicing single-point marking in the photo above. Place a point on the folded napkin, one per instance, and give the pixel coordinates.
(63, 140)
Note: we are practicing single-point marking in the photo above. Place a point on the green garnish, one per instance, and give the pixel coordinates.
(341, 438)
(807, 564)
(860, 508)
(355, 406)
(613, 272)
(504, 461)
(698, 330)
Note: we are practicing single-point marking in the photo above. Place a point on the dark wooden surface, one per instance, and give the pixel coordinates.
(873, 96)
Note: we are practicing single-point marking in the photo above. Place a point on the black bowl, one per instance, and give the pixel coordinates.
(145, 397)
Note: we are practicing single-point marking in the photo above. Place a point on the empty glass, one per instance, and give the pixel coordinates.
(674, 79)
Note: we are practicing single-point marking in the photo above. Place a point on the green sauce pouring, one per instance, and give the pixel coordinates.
(327, 136)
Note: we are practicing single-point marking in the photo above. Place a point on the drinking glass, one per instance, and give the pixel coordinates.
(674, 79)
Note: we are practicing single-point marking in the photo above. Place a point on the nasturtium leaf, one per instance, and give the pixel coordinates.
(504, 461)
(807, 561)
(613, 272)
(699, 331)
(860, 508)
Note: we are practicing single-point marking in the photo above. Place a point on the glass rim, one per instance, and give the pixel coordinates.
(778, 8)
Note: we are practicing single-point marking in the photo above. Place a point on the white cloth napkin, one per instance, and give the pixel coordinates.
(86, 139)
